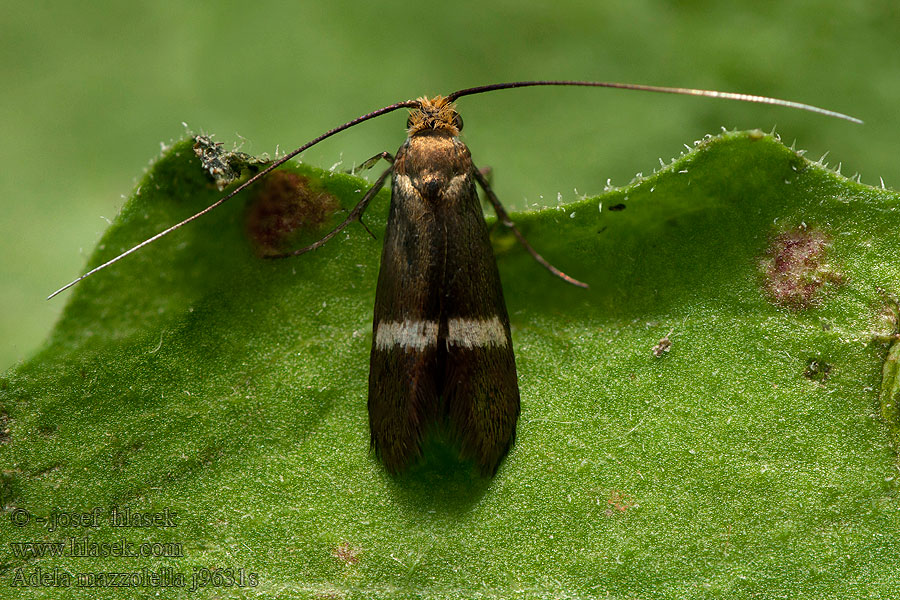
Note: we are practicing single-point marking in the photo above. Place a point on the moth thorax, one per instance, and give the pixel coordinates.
(436, 113)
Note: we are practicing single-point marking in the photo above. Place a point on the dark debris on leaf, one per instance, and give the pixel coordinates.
(223, 167)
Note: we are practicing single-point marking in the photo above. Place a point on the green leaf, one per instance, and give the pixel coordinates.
(743, 458)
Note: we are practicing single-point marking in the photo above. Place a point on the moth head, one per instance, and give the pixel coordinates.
(438, 113)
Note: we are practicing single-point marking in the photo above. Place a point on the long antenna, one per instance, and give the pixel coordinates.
(659, 89)
(458, 94)
(243, 186)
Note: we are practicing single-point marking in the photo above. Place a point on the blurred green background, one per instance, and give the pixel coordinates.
(91, 90)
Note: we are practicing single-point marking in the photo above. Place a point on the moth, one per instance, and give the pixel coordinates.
(442, 354)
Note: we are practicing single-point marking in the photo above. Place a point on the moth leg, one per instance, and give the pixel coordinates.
(504, 218)
(356, 213)
(488, 173)
(368, 164)
(365, 166)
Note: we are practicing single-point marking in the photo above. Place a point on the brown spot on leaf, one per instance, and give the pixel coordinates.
(796, 269)
(285, 204)
(617, 502)
(346, 553)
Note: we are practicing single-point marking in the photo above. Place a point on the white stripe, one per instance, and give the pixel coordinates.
(407, 334)
(470, 333)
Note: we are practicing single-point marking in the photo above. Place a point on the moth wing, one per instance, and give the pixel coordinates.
(404, 373)
(480, 385)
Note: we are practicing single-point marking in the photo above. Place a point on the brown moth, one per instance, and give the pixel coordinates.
(442, 355)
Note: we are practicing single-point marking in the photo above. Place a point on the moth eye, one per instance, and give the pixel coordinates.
(457, 121)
